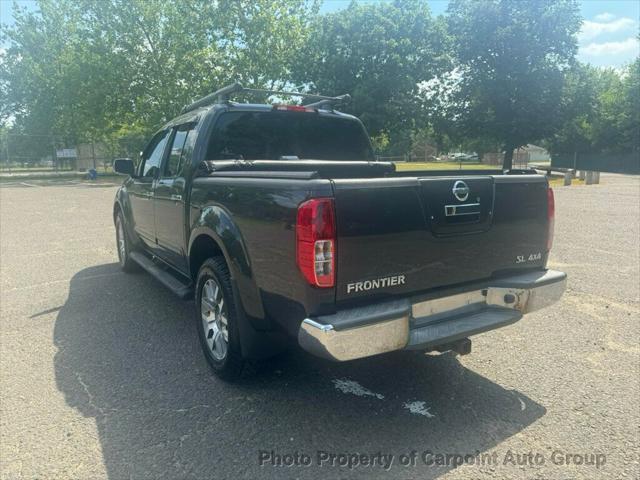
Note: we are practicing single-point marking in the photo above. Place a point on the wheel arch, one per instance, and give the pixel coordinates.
(215, 233)
(117, 208)
(121, 205)
(118, 202)
(203, 247)
(257, 338)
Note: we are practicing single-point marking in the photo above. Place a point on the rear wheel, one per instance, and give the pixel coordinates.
(217, 320)
(124, 246)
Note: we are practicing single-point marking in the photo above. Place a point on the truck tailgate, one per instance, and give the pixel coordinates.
(402, 235)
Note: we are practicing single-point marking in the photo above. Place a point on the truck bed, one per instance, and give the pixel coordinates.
(389, 224)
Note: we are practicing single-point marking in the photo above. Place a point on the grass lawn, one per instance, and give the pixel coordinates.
(444, 166)
(555, 181)
(559, 182)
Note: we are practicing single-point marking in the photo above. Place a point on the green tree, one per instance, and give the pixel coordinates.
(510, 57)
(102, 69)
(631, 107)
(600, 111)
(617, 122)
(378, 53)
(578, 108)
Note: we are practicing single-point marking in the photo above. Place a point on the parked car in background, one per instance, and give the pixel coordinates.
(463, 157)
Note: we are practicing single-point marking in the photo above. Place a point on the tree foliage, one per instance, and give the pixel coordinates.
(510, 58)
(119, 68)
(600, 111)
(378, 53)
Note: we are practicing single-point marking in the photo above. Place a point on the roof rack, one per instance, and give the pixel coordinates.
(223, 95)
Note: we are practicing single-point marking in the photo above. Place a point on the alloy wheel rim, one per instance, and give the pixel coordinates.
(213, 312)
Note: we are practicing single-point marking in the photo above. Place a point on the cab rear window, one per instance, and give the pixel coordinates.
(287, 135)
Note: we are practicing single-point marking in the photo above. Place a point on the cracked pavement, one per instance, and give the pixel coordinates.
(101, 374)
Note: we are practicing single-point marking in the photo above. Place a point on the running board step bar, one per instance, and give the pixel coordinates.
(182, 290)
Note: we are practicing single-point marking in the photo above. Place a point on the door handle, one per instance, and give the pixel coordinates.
(176, 197)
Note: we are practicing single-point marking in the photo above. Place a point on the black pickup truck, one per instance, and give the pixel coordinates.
(281, 223)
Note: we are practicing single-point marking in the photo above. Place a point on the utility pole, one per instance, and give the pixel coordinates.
(54, 159)
(7, 150)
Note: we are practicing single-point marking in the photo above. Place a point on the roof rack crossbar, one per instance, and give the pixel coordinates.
(329, 102)
(222, 96)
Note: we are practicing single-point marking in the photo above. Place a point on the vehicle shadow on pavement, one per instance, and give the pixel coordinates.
(128, 355)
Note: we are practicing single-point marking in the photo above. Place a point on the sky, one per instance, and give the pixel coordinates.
(609, 35)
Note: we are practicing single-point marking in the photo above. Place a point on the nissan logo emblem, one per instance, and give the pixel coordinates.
(460, 190)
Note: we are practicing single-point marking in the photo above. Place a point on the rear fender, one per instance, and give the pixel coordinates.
(216, 222)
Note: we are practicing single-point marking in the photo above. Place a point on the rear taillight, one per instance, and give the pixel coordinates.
(551, 214)
(316, 241)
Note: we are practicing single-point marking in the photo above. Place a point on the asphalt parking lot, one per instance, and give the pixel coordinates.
(102, 375)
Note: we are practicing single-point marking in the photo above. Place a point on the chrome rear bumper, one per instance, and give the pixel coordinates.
(425, 323)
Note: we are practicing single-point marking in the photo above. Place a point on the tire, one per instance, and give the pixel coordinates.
(123, 245)
(217, 321)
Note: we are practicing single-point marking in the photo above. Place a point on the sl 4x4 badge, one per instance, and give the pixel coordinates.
(532, 258)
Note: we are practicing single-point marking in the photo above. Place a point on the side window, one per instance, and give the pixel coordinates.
(174, 164)
(153, 154)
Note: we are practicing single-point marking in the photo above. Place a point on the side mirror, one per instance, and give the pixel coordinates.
(124, 166)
